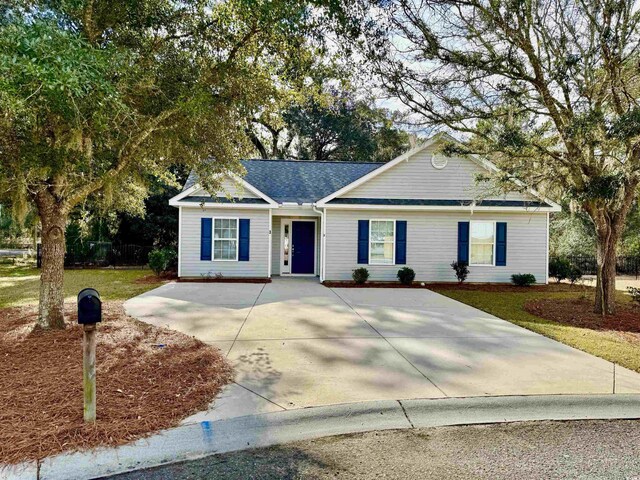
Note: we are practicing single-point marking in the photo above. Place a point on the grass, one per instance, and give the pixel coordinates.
(611, 346)
(20, 285)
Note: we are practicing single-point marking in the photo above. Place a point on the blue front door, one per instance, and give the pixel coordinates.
(303, 240)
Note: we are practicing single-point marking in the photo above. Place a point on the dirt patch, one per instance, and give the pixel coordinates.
(482, 287)
(351, 284)
(579, 312)
(148, 379)
(507, 287)
(151, 279)
(225, 280)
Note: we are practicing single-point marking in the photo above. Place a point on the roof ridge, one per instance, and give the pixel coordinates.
(351, 162)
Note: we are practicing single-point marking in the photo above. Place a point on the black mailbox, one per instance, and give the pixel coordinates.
(89, 306)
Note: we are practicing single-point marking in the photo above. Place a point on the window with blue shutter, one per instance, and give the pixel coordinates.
(243, 247)
(205, 239)
(401, 242)
(501, 244)
(363, 241)
(463, 242)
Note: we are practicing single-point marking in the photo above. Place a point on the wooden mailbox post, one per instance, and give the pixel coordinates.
(89, 314)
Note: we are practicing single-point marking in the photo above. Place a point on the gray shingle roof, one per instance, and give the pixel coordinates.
(299, 181)
(303, 181)
(436, 202)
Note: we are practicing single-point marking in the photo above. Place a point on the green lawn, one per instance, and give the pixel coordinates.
(20, 285)
(609, 345)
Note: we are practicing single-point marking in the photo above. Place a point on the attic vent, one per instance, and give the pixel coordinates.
(439, 161)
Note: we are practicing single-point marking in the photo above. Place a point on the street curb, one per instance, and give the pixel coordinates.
(198, 440)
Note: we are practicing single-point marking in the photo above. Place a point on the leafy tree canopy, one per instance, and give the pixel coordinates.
(345, 129)
(96, 95)
(326, 116)
(548, 89)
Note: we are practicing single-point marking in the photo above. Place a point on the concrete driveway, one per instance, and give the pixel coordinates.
(295, 343)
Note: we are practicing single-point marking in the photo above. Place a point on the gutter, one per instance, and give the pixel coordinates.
(322, 240)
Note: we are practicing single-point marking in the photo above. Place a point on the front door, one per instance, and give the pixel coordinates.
(303, 240)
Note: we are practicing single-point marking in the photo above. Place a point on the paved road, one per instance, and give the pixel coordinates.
(13, 252)
(528, 451)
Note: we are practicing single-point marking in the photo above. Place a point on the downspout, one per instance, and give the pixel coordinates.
(322, 241)
(269, 272)
(179, 242)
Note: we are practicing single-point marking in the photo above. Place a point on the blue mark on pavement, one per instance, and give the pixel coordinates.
(207, 431)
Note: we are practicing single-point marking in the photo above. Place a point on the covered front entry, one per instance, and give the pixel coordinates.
(295, 245)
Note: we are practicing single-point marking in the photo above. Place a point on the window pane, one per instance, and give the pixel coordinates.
(482, 232)
(382, 253)
(224, 249)
(381, 231)
(482, 254)
(382, 241)
(225, 228)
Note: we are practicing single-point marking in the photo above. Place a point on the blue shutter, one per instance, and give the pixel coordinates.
(243, 247)
(463, 242)
(401, 242)
(205, 239)
(363, 241)
(501, 244)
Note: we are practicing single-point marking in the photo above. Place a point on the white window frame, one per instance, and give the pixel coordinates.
(394, 240)
(213, 239)
(495, 242)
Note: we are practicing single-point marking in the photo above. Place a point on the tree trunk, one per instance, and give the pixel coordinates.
(607, 234)
(54, 220)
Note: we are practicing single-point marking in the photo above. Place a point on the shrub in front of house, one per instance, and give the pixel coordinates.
(635, 294)
(360, 275)
(559, 268)
(523, 279)
(162, 259)
(406, 275)
(575, 274)
(461, 270)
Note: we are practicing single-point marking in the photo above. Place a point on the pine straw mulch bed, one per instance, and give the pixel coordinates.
(479, 287)
(224, 280)
(148, 379)
(578, 312)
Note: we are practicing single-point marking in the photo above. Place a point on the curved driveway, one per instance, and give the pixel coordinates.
(295, 343)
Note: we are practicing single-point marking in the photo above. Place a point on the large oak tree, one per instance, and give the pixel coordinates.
(97, 95)
(548, 89)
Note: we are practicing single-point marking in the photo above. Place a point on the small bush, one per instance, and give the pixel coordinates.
(406, 275)
(360, 275)
(162, 259)
(523, 279)
(461, 269)
(574, 275)
(559, 268)
(635, 294)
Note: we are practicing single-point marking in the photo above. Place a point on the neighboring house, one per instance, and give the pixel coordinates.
(422, 210)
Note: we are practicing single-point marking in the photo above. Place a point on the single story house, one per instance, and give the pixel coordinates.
(422, 209)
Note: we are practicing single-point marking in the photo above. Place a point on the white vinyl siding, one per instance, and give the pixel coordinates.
(229, 188)
(192, 266)
(416, 178)
(432, 244)
(276, 225)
